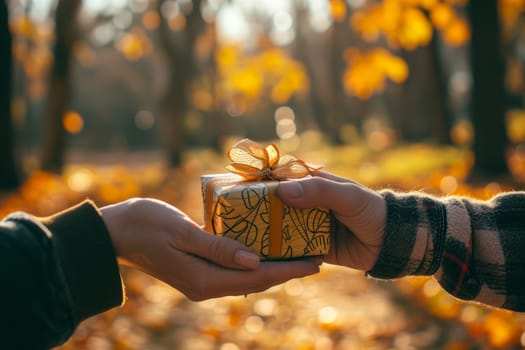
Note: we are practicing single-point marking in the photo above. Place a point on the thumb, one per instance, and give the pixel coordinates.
(223, 251)
(317, 192)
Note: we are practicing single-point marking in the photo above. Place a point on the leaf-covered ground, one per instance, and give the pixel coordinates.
(336, 309)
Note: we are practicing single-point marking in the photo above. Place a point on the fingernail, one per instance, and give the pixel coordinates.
(246, 259)
(291, 189)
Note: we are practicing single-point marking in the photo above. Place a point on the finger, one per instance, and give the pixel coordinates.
(269, 273)
(318, 192)
(222, 251)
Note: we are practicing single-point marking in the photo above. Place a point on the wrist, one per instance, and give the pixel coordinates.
(113, 216)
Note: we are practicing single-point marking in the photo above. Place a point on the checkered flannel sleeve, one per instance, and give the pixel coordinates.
(475, 249)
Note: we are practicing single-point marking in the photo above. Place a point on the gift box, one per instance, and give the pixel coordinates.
(247, 209)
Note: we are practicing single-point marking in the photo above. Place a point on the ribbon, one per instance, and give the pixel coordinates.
(276, 222)
(255, 162)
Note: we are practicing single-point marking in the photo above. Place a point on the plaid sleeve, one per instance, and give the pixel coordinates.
(474, 249)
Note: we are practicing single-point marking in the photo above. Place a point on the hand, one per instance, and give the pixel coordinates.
(159, 239)
(361, 211)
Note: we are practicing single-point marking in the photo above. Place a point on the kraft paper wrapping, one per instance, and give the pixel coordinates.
(251, 213)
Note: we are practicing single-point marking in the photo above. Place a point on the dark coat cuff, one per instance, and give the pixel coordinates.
(87, 258)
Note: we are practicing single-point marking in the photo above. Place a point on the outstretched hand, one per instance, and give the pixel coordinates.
(360, 212)
(162, 241)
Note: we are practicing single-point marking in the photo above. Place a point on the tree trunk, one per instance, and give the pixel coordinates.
(54, 137)
(179, 50)
(8, 169)
(423, 112)
(304, 41)
(337, 113)
(439, 102)
(488, 97)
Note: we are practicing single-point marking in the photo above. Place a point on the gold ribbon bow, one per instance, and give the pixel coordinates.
(255, 162)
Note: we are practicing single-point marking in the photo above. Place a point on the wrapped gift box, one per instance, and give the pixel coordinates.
(251, 213)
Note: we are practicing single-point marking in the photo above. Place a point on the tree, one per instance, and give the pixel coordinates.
(488, 90)
(338, 39)
(424, 113)
(8, 169)
(54, 135)
(411, 27)
(179, 50)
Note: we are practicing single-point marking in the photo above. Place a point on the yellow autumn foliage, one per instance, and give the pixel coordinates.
(245, 79)
(226, 56)
(441, 15)
(510, 11)
(22, 26)
(338, 10)
(405, 23)
(414, 30)
(457, 32)
(369, 23)
(367, 72)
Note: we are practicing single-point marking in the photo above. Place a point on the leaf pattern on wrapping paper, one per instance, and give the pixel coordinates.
(319, 243)
(252, 199)
(265, 243)
(316, 219)
(312, 225)
(289, 252)
(242, 227)
(227, 211)
(286, 233)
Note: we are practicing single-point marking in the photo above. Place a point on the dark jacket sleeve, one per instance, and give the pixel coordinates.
(474, 249)
(56, 272)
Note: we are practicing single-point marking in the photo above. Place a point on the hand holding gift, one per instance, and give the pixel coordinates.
(359, 216)
(244, 205)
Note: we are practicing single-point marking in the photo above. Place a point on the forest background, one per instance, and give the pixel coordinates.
(114, 99)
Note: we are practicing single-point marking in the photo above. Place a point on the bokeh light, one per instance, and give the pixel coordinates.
(448, 184)
(294, 287)
(265, 307)
(138, 6)
(177, 22)
(285, 118)
(103, 34)
(283, 32)
(462, 133)
(327, 315)
(123, 20)
(151, 20)
(320, 19)
(72, 122)
(229, 346)
(80, 180)
(144, 120)
(254, 324)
